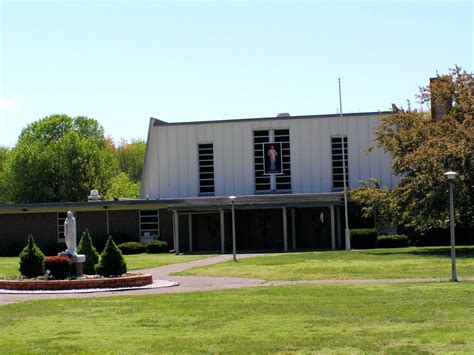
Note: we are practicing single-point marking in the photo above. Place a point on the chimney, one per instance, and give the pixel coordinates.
(283, 115)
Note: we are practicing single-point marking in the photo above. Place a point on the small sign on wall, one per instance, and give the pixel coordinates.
(272, 158)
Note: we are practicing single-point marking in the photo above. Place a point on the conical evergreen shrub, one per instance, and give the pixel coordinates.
(31, 259)
(92, 256)
(111, 261)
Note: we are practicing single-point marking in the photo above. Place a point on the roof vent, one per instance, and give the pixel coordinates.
(94, 195)
(283, 114)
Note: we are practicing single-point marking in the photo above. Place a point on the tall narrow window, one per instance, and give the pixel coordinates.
(206, 168)
(149, 225)
(282, 181)
(262, 182)
(337, 163)
(61, 217)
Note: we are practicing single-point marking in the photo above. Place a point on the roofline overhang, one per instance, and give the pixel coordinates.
(214, 203)
(111, 205)
(158, 122)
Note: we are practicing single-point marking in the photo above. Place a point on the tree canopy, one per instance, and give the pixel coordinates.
(131, 157)
(59, 158)
(422, 150)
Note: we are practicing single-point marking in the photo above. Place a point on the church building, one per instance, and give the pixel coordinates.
(284, 173)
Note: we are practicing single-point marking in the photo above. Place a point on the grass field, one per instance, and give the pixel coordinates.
(374, 263)
(9, 265)
(396, 318)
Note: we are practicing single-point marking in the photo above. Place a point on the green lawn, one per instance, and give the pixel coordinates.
(9, 265)
(356, 264)
(396, 318)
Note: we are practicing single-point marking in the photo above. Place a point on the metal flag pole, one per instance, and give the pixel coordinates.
(347, 230)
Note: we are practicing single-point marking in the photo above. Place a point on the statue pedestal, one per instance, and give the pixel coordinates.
(77, 266)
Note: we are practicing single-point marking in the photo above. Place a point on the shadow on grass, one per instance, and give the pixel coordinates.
(461, 252)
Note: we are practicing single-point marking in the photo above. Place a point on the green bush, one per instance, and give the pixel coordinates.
(363, 238)
(119, 238)
(111, 261)
(92, 256)
(57, 267)
(156, 247)
(31, 259)
(392, 241)
(130, 248)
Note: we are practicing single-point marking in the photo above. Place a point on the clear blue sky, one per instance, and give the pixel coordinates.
(122, 62)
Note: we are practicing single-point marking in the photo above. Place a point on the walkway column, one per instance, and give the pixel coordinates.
(338, 224)
(333, 228)
(190, 231)
(176, 231)
(293, 227)
(221, 214)
(285, 231)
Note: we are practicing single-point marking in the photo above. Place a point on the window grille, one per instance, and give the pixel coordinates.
(149, 225)
(206, 168)
(337, 163)
(61, 217)
(263, 182)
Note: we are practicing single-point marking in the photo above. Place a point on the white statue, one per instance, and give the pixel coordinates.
(70, 233)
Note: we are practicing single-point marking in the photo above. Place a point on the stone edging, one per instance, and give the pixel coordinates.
(135, 280)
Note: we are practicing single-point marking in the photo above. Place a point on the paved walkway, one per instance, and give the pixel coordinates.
(200, 283)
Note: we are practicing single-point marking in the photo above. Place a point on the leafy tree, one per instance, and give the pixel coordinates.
(92, 256)
(376, 202)
(31, 259)
(4, 151)
(122, 186)
(423, 150)
(3, 156)
(131, 157)
(111, 262)
(59, 158)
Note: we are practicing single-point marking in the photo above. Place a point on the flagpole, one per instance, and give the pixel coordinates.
(347, 230)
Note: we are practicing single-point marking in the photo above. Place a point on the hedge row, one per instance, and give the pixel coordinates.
(368, 239)
(155, 247)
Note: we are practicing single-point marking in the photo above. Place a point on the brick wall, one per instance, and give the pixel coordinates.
(125, 222)
(15, 228)
(166, 226)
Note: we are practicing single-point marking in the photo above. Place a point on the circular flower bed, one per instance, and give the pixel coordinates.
(127, 280)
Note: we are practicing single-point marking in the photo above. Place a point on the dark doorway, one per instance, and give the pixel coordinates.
(259, 229)
(206, 232)
(313, 228)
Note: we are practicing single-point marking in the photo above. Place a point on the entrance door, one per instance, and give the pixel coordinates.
(259, 229)
(206, 232)
(313, 228)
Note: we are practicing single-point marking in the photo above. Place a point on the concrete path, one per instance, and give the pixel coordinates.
(186, 283)
(200, 283)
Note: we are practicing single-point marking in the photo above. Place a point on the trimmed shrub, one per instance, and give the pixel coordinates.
(363, 238)
(92, 256)
(119, 238)
(59, 267)
(392, 241)
(130, 248)
(156, 247)
(111, 261)
(31, 259)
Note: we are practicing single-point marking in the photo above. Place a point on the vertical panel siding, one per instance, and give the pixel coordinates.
(172, 169)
